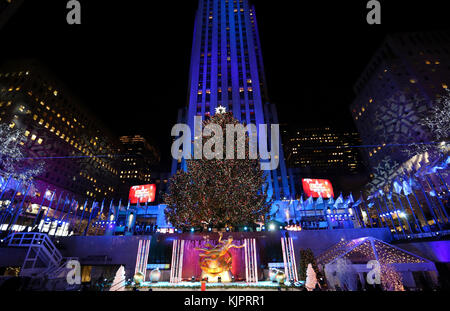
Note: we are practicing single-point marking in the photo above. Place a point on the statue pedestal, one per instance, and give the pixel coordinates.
(225, 277)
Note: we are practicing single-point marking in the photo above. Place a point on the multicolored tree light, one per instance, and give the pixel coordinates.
(218, 193)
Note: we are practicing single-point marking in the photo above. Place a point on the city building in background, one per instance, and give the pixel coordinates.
(138, 159)
(227, 70)
(323, 152)
(399, 86)
(77, 150)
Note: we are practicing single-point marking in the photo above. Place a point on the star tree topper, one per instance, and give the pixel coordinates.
(221, 109)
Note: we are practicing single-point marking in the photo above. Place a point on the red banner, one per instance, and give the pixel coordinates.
(142, 194)
(315, 187)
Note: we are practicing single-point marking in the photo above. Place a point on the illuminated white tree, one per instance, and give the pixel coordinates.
(119, 281)
(311, 278)
(12, 159)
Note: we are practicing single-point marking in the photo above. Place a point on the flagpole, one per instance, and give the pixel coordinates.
(366, 209)
(380, 210)
(74, 216)
(399, 198)
(19, 211)
(82, 215)
(108, 218)
(99, 217)
(60, 215)
(392, 218)
(40, 207)
(398, 216)
(54, 213)
(430, 206)
(437, 196)
(67, 216)
(48, 208)
(412, 209)
(90, 217)
(6, 216)
(360, 220)
(440, 176)
(369, 217)
(407, 182)
(63, 208)
(5, 187)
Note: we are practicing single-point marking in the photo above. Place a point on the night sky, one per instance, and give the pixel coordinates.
(129, 61)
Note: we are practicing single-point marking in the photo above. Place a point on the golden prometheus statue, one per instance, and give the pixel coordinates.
(216, 261)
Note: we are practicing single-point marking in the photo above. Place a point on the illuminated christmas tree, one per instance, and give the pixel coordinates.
(218, 192)
(311, 279)
(119, 280)
(13, 162)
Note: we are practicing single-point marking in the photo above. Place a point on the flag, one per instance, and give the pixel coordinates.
(406, 188)
(309, 202)
(350, 199)
(300, 203)
(319, 200)
(380, 192)
(330, 201)
(397, 187)
(370, 204)
(432, 193)
(413, 183)
(339, 200)
(358, 202)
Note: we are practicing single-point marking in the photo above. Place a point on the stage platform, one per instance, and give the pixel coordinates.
(263, 285)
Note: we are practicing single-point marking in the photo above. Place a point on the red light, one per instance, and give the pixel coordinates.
(316, 187)
(143, 194)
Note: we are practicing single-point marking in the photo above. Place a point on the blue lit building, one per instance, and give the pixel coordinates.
(227, 70)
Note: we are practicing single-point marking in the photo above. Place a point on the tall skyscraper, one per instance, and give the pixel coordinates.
(399, 86)
(227, 70)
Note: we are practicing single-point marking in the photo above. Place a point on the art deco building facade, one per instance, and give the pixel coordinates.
(398, 87)
(227, 69)
(78, 152)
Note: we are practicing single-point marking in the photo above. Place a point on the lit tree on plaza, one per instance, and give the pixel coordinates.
(218, 193)
(12, 160)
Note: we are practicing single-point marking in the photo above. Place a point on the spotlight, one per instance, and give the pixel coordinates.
(209, 229)
(271, 227)
(192, 229)
(245, 228)
(228, 229)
